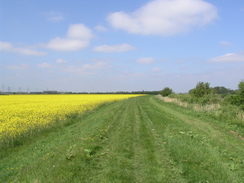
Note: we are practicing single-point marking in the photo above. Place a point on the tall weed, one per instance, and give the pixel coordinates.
(213, 104)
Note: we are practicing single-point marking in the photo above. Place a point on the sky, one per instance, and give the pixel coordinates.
(109, 46)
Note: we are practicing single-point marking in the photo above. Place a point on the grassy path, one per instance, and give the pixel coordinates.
(137, 140)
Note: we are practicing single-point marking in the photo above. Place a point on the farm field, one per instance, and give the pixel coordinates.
(24, 115)
(142, 139)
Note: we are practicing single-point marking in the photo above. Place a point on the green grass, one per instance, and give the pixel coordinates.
(141, 139)
(215, 106)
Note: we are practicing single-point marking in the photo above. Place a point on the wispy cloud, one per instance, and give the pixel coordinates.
(147, 60)
(44, 65)
(225, 43)
(7, 46)
(60, 61)
(18, 67)
(165, 17)
(229, 57)
(101, 28)
(156, 69)
(81, 69)
(114, 48)
(86, 69)
(78, 37)
(54, 16)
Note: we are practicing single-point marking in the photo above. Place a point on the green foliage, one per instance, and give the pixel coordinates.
(166, 91)
(238, 98)
(215, 106)
(241, 85)
(201, 90)
(222, 91)
(241, 92)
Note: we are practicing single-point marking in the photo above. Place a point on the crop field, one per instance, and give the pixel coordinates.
(24, 115)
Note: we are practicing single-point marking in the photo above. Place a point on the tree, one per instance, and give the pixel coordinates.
(238, 98)
(240, 94)
(201, 90)
(166, 91)
(222, 90)
(241, 86)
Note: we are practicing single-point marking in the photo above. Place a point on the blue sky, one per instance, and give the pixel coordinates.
(109, 45)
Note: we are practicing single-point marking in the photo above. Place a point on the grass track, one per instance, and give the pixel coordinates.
(141, 139)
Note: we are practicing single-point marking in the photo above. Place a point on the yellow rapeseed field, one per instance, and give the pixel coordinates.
(26, 114)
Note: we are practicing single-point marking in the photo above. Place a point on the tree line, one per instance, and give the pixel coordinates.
(203, 94)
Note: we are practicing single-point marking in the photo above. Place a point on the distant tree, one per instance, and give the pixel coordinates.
(166, 91)
(222, 90)
(200, 90)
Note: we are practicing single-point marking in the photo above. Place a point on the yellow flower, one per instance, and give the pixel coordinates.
(24, 115)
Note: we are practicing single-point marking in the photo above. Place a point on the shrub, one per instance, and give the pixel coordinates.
(238, 98)
(166, 91)
(200, 90)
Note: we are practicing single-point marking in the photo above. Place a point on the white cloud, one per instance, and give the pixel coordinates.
(44, 65)
(60, 61)
(114, 48)
(60, 44)
(18, 67)
(101, 28)
(78, 37)
(97, 65)
(225, 43)
(230, 57)
(156, 69)
(6, 46)
(79, 31)
(54, 16)
(87, 69)
(148, 60)
(165, 17)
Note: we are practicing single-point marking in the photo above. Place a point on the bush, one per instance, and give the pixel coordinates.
(238, 98)
(166, 91)
(200, 90)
